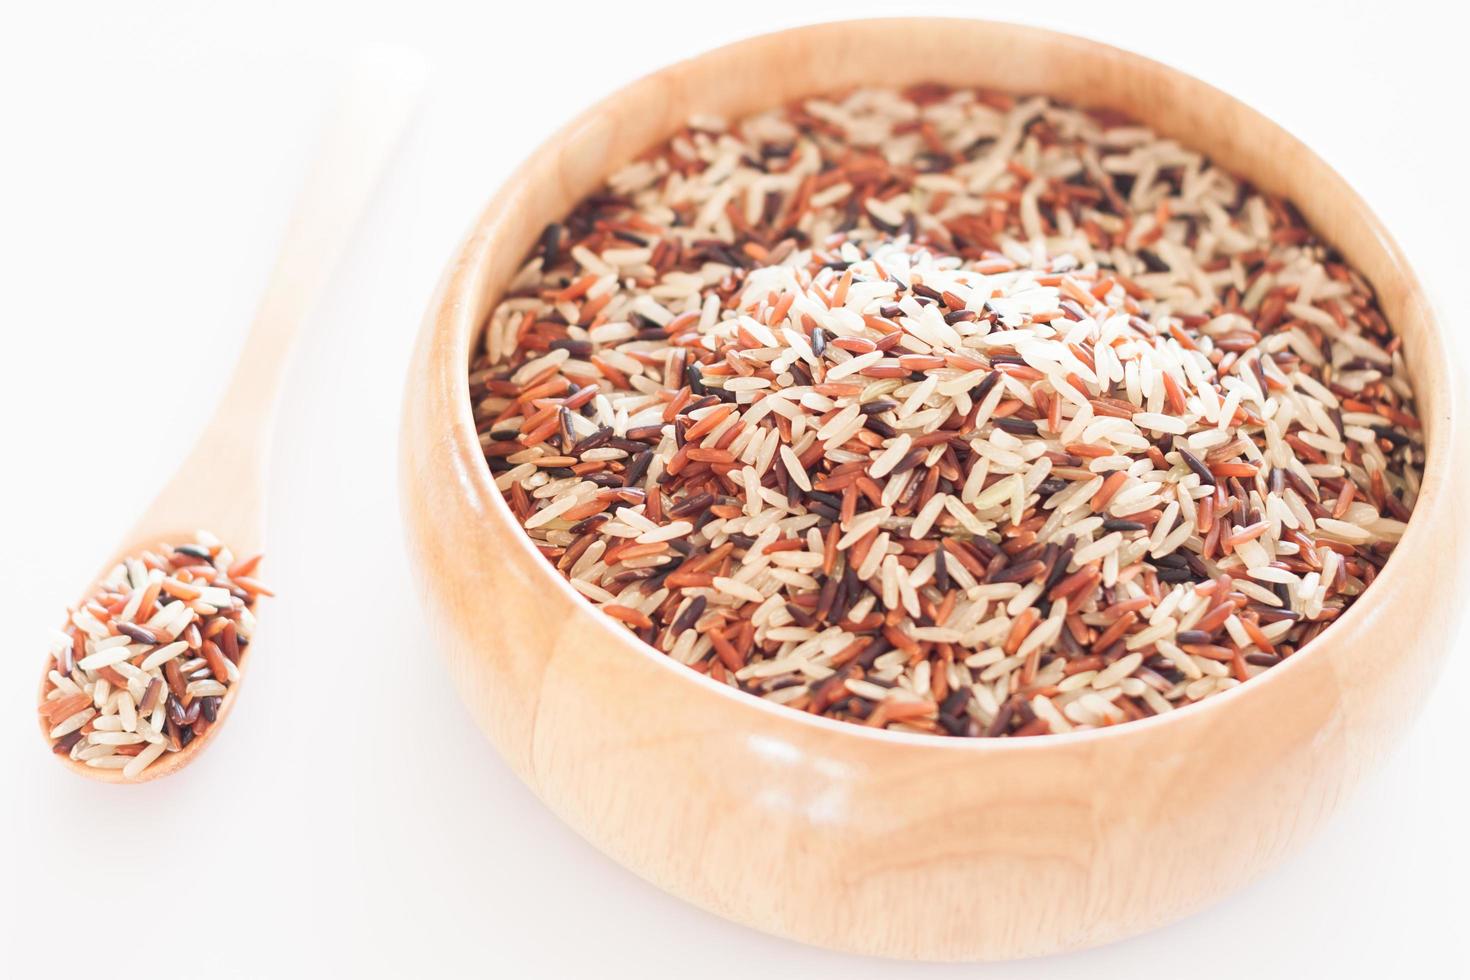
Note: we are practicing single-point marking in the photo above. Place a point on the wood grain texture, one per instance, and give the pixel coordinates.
(220, 487)
(879, 842)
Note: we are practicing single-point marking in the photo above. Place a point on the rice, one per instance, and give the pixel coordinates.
(145, 662)
(949, 412)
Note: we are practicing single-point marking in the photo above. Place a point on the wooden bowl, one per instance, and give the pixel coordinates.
(874, 841)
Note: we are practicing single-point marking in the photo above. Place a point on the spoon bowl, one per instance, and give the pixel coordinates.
(169, 762)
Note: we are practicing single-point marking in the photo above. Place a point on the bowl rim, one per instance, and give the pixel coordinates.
(463, 292)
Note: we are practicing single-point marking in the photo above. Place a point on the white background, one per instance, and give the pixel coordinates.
(352, 818)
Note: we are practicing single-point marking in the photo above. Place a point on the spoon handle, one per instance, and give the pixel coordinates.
(380, 93)
(377, 101)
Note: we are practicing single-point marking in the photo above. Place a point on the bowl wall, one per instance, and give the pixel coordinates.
(879, 842)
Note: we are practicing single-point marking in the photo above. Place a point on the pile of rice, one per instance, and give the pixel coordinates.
(949, 411)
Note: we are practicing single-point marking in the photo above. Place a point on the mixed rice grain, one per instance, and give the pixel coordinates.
(950, 412)
(144, 663)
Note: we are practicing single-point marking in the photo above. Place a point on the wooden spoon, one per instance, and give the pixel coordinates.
(221, 485)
